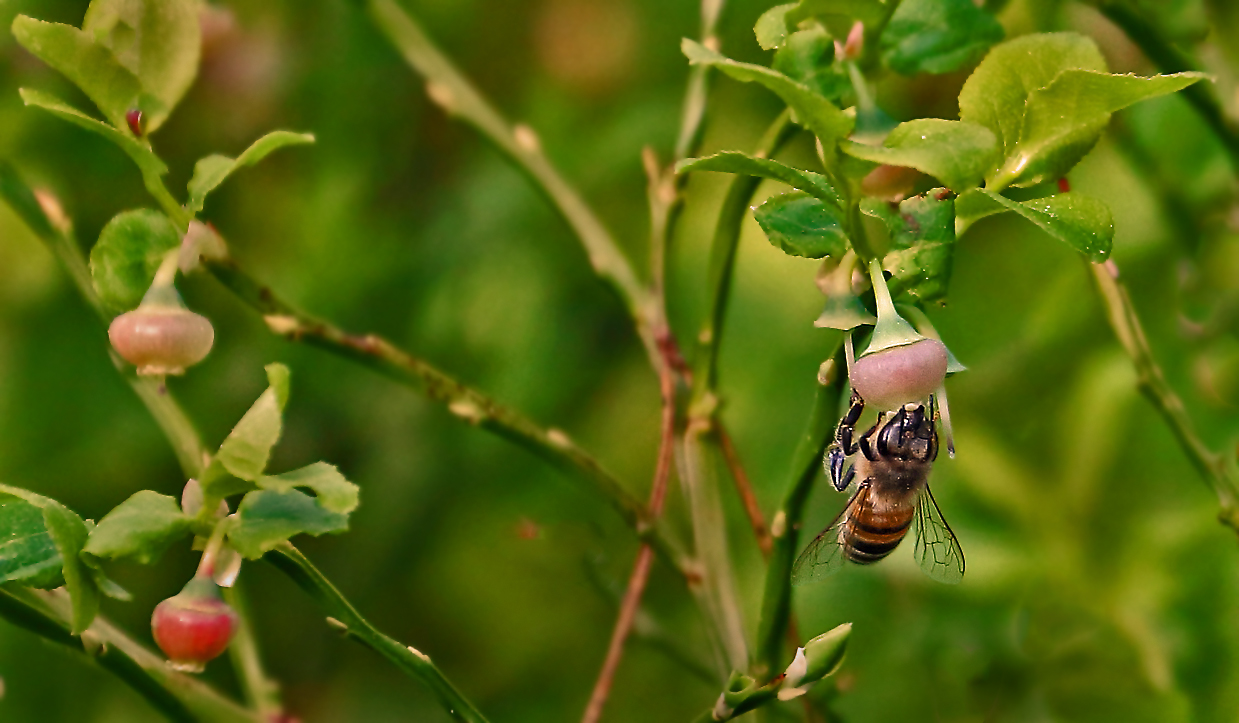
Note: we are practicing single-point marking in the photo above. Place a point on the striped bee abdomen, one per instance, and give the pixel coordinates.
(869, 536)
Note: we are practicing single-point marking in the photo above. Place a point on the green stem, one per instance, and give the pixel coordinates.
(1170, 59)
(716, 587)
(776, 608)
(692, 116)
(466, 403)
(448, 87)
(177, 696)
(262, 694)
(1217, 470)
(289, 560)
(723, 260)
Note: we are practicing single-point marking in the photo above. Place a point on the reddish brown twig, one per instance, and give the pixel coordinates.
(641, 568)
(745, 488)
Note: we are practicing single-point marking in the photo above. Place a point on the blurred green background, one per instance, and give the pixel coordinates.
(1099, 585)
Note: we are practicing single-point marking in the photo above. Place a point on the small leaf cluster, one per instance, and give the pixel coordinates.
(1029, 112)
(272, 508)
(46, 545)
(136, 60)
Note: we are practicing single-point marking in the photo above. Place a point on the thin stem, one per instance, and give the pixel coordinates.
(776, 608)
(745, 489)
(696, 94)
(722, 263)
(289, 560)
(464, 402)
(1170, 59)
(262, 694)
(175, 695)
(453, 92)
(645, 556)
(1217, 470)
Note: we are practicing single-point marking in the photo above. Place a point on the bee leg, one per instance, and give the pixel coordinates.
(842, 483)
(846, 431)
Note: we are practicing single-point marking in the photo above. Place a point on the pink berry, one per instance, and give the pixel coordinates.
(161, 340)
(901, 374)
(195, 626)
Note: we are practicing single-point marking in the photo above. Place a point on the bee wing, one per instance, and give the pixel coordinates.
(825, 554)
(937, 549)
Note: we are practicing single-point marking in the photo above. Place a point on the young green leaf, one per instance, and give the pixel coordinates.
(808, 57)
(68, 535)
(772, 27)
(211, 171)
(1064, 120)
(243, 456)
(937, 36)
(27, 553)
(801, 225)
(1082, 222)
(141, 527)
(331, 489)
(996, 94)
(957, 153)
(812, 183)
(922, 233)
(812, 110)
(140, 151)
(158, 41)
(130, 248)
(265, 518)
(90, 66)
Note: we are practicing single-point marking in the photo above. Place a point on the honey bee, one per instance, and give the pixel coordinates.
(892, 496)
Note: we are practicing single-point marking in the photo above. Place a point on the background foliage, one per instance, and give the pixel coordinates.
(1099, 585)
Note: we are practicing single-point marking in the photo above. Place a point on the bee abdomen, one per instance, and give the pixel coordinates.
(868, 540)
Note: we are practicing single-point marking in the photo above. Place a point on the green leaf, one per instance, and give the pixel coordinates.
(812, 110)
(265, 518)
(130, 248)
(922, 234)
(211, 171)
(243, 456)
(937, 36)
(801, 225)
(141, 527)
(158, 41)
(772, 27)
(333, 491)
(139, 151)
(1082, 222)
(812, 183)
(1063, 121)
(996, 94)
(90, 66)
(840, 14)
(957, 153)
(68, 535)
(27, 553)
(808, 57)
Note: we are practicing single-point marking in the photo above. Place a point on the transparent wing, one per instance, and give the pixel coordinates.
(825, 554)
(937, 550)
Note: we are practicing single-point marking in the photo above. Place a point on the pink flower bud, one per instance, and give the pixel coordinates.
(161, 339)
(889, 378)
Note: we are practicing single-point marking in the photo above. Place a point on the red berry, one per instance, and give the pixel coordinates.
(901, 374)
(1064, 185)
(195, 626)
(161, 339)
